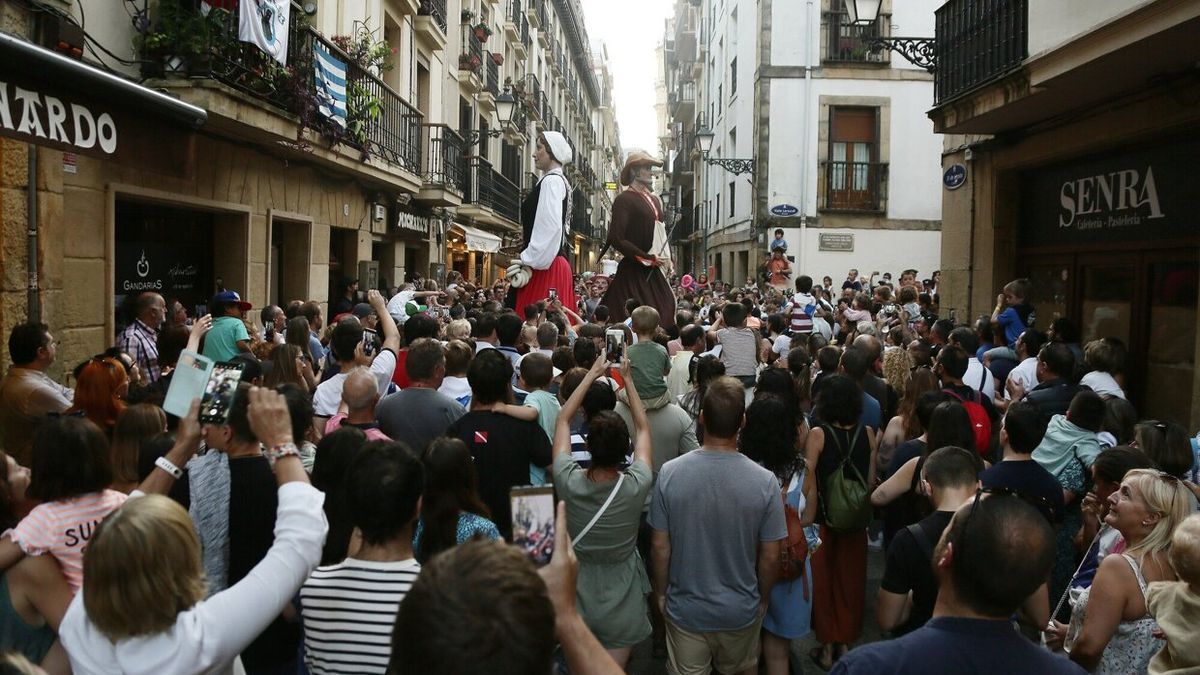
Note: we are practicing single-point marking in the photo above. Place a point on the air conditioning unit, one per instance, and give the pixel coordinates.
(379, 212)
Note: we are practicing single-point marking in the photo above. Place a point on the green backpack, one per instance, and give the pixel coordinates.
(847, 497)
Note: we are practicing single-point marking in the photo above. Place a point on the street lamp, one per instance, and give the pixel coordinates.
(863, 12)
(919, 51)
(704, 141)
(505, 105)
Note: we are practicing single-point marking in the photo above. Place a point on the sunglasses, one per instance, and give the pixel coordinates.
(1040, 503)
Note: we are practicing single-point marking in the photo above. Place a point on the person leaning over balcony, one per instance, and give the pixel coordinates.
(544, 263)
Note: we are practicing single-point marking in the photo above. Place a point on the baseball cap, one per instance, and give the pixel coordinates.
(229, 297)
(362, 310)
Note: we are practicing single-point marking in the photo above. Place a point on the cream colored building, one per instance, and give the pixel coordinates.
(239, 180)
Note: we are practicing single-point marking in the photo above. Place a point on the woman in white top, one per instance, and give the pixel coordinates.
(1111, 630)
(142, 610)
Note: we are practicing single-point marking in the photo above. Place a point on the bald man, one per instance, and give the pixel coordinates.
(360, 393)
(875, 385)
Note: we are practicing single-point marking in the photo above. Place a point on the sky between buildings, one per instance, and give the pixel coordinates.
(632, 30)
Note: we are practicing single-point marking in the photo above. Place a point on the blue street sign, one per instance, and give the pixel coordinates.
(784, 210)
(954, 177)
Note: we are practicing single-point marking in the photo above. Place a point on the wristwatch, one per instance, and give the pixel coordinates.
(274, 452)
(166, 465)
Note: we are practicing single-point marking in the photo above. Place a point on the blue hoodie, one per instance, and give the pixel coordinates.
(1064, 441)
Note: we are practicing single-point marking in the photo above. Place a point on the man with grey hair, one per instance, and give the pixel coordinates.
(420, 413)
(140, 339)
(360, 394)
(547, 338)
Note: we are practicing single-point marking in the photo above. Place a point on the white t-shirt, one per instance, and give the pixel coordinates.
(396, 306)
(980, 378)
(1102, 383)
(457, 388)
(1025, 374)
(328, 395)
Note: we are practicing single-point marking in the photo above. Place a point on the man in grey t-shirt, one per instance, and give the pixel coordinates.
(420, 413)
(718, 523)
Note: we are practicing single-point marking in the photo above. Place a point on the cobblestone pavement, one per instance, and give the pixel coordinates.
(642, 663)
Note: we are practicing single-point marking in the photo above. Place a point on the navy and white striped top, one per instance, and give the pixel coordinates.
(349, 610)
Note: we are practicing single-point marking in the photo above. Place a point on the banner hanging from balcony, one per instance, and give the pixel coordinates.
(265, 23)
(330, 74)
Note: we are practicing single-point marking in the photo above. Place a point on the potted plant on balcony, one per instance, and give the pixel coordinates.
(497, 58)
(482, 31)
(467, 15)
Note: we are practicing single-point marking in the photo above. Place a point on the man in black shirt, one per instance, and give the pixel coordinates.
(503, 447)
(1024, 427)
(1055, 389)
(994, 554)
(909, 589)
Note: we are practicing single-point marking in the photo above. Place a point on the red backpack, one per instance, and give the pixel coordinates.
(981, 424)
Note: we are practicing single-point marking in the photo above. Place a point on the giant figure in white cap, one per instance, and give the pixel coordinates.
(544, 262)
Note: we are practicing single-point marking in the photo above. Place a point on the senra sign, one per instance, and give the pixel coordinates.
(1109, 194)
(42, 117)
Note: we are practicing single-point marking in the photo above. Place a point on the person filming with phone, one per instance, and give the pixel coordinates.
(604, 508)
(352, 347)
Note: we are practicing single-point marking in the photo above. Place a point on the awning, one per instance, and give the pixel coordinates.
(479, 240)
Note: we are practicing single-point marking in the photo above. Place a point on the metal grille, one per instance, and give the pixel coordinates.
(978, 41)
(854, 186)
(445, 164)
(435, 9)
(849, 42)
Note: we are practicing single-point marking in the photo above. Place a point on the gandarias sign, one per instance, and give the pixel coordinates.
(1134, 195)
(38, 117)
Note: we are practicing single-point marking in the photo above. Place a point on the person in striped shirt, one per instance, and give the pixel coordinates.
(349, 608)
(140, 338)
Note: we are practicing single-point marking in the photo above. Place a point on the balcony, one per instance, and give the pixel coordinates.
(853, 186)
(491, 83)
(378, 122)
(535, 11)
(683, 100)
(470, 62)
(430, 24)
(849, 43)
(512, 22)
(490, 197)
(581, 216)
(978, 41)
(444, 171)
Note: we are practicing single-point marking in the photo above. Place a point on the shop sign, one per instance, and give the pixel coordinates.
(412, 222)
(954, 176)
(37, 117)
(157, 267)
(835, 242)
(1135, 195)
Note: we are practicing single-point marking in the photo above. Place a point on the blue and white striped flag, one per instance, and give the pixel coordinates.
(330, 75)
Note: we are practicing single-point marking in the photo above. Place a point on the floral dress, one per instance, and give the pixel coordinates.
(1132, 646)
(1070, 478)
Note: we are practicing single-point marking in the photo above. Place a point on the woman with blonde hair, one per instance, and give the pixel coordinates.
(136, 424)
(459, 329)
(100, 392)
(140, 610)
(1111, 630)
(897, 368)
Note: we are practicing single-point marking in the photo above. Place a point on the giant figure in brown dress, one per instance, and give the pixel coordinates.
(631, 232)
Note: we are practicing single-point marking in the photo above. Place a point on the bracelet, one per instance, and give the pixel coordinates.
(275, 452)
(168, 466)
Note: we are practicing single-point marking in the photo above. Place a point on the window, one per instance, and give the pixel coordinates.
(853, 174)
(733, 78)
(717, 208)
(732, 196)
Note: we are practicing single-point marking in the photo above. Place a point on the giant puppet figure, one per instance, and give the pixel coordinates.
(544, 263)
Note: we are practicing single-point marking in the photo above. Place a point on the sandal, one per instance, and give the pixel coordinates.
(815, 654)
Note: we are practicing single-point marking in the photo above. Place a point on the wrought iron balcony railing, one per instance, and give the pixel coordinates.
(378, 120)
(435, 9)
(977, 41)
(492, 81)
(445, 165)
(854, 186)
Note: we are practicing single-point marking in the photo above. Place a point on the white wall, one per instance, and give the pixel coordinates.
(1055, 23)
(874, 250)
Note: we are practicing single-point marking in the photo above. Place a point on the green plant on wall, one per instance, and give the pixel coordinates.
(374, 55)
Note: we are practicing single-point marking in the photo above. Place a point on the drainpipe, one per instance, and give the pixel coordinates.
(33, 301)
(805, 117)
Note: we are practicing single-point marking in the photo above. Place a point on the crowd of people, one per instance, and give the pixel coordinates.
(720, 472)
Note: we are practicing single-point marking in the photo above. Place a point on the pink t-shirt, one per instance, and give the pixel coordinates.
(63, 529)
(372, 432)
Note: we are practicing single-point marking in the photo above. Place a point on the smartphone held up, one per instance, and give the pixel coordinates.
(533, 521)
(614, 343)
